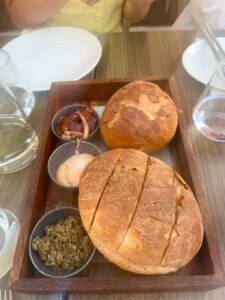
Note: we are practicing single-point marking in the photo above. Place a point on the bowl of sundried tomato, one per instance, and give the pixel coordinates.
(76, 121)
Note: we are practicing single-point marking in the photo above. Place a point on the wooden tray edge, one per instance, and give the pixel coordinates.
(200, 190)
(17, 283)
(94, 81)
(15, 274)
(112, 286)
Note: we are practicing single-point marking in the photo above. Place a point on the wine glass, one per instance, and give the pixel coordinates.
(209, 112)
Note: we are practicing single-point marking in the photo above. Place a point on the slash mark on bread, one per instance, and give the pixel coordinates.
(179, 198)
(138, 200)
(158, 220)
(99, 200)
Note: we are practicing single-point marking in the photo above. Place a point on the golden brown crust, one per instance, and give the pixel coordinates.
(147, 220)
(128, 177)
(140, 116)
(92, 188)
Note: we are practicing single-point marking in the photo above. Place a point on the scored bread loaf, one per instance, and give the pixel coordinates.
(139, 213)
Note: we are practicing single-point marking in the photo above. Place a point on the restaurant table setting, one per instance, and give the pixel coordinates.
(54, 54)
(108, 173)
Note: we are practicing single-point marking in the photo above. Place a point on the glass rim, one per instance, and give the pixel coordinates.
(2, 65)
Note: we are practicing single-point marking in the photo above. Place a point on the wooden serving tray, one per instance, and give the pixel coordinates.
(203, 272)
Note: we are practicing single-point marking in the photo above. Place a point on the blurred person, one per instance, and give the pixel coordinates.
(197, 11)
(92, 15)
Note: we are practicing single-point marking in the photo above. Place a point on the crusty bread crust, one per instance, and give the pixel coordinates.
(139, 116)
(139, 213)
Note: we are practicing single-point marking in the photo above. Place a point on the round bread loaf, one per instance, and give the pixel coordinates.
(140, 116)
(139, 213)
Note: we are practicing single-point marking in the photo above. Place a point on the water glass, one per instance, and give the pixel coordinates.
(11, 75)
(18, 140)
(9, 232)
(209, 112)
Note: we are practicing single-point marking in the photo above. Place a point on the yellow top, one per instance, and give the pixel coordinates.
(103, 16)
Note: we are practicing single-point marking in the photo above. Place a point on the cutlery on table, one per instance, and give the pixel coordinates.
(214, 44)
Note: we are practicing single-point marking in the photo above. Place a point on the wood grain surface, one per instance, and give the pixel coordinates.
(140, 55)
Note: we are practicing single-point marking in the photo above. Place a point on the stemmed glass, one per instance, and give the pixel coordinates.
(209, 111)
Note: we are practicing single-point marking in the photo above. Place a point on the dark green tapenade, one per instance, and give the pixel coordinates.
(66, 246)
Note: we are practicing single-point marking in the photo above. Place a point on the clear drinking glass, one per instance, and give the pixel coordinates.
(10, 74)
(9, 231)
(209, 111)
(18, 141)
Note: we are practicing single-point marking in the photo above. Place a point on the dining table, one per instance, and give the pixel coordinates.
(138, 55)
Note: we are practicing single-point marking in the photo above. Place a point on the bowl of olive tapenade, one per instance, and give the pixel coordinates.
(75, 121)
(59, 246)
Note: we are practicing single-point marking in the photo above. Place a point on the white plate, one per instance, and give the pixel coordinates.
(199, 60)
(54, 54)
